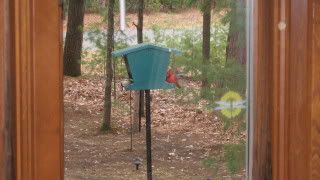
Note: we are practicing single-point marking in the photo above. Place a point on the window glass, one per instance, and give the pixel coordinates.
(199, 122)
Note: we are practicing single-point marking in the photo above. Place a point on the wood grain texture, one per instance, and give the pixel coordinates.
(298, 102)
(280, 91)
(295, 127)
(48, 90)
(315, 124)
(23, 84)
(293, 54)
(2, 114)
(6, 149)
(38, 90)
(276, 87)
(261, 165)
(286, 90)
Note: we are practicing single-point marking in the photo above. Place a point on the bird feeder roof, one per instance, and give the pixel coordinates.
(141, 47)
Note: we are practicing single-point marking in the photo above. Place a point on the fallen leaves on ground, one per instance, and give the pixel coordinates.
(183, 132)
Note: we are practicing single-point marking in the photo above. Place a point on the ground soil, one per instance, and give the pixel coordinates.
(184, 134)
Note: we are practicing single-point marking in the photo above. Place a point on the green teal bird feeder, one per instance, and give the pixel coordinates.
(147, 67)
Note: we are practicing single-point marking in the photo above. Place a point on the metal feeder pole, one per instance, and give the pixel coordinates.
(131, 125)
(140, 109)
(148, 134)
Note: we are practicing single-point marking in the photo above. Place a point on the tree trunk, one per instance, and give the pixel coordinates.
(140, 21)
(206, 41)
(102, 3)
(236, 48)
(109, 70)
(140, 40)
(63, 5)
(139, 95)
(74, 38)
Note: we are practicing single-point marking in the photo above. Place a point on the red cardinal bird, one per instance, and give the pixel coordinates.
(171, 78)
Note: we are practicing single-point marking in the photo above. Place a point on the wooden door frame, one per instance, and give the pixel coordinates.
(295, 103)
(37, 89)
(6, 148)
(2, 102)
(315, 91)
(277, 63)
(263, 20)
(286, 90)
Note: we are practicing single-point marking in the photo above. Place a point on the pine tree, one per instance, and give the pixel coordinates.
(206, 8)
(74, 38)
(236, 18)
(109, 70)
(139, 95)
(236, 48)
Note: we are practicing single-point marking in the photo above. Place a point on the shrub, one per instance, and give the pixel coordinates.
(235, 157)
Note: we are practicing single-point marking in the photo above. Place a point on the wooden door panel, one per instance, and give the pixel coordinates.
(262, 65)
(38, 90)
(48, 89)
(298, 102)
(6, 154)
(315, 92)
(296, 88)
(286, 91)
(2, 163)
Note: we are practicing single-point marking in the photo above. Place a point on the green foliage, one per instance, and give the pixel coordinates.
(222, 75)
(236, 17)
(196, 3)
(173, 4)
(235, 155)
(93, 6)
(157, 5)
(234, 9)
(212, 163)
(94, 59)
